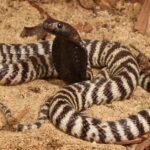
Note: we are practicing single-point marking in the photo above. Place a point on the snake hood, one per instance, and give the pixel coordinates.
(68, 51)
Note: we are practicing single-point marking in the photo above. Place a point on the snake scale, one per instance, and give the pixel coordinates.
(117, 79)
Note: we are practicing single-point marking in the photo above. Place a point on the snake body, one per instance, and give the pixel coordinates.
(116, 81)
(23, 63)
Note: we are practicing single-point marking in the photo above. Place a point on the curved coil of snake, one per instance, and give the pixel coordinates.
(116, 82)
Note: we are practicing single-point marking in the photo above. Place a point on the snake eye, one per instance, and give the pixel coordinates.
(60, 25)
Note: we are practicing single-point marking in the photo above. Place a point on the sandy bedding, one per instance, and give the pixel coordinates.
(14, 15)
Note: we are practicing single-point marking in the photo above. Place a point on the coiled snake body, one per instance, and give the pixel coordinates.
(116, 81)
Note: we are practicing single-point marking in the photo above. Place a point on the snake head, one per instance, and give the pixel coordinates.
(62, 29)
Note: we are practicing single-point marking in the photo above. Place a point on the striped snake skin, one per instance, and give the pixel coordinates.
(118, 78)
(22, 63)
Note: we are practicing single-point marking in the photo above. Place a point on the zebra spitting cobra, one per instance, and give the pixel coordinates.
(117, 79)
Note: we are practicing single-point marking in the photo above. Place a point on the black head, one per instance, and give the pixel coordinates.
(63, 29)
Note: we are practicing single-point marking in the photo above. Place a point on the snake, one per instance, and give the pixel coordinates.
(118, 77)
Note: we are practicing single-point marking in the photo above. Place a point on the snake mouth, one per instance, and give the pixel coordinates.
(47, 26)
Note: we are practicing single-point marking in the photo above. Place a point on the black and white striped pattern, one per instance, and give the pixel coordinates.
(23, 63)
(5, 111)
(116, 82)
(144, 80)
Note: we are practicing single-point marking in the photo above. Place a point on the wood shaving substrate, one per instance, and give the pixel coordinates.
(14, 15)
